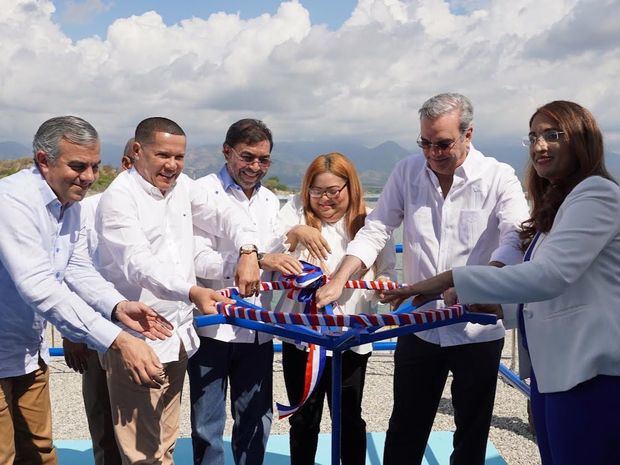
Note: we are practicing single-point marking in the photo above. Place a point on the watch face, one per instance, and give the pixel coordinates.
(248, 248)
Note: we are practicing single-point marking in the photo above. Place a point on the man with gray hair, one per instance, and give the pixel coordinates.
(458, 207)
(46, 275)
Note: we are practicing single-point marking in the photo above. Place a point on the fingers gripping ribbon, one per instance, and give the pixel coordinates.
(302, 288)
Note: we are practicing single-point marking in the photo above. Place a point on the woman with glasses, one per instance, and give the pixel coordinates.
(321, 221)
(571, 280)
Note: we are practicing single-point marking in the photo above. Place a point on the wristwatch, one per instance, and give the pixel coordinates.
(247, 249)
(259, 257)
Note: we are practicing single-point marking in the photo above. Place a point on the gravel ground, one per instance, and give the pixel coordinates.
(509, 429)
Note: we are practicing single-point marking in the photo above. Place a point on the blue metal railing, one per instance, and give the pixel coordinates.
(506, 373)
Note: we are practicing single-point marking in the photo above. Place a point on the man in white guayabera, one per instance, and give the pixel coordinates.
(146, 248)
(458, 207)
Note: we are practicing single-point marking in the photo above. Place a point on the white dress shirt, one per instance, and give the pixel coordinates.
(46, 274)
(352, 301)
(89, 209)
(216, 269)
(476, 223)
(146, 248)
(572, 284)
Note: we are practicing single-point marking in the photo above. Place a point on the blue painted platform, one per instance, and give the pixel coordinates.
(79, 452)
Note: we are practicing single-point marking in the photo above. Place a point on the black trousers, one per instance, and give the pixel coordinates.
(420, 373)
(306, 422)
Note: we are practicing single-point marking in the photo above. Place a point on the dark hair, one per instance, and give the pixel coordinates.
(148, 127)
(248, 131)
(335, 163)
(585, 144)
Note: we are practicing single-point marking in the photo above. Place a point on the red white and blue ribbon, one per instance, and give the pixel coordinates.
(351, 321)
(302, 288)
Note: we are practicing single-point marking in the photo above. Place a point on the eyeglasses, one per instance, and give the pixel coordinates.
(330, 192)
(548, 136)
(250, 159)
(442, 146)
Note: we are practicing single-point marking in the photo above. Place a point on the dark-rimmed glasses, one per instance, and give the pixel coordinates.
(442, 145)
(551, 135)
(330, 192)
(249, 159)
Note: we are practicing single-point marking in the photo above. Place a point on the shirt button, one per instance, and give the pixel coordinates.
(57, 275)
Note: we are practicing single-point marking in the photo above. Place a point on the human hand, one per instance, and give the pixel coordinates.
(449, 297)
(329, 292)
(381, 279)
(140, 361)
(494, 309)
(143, 319)
(205, 299)
(312, 239)
(423, 291)
(247, 275)
(76, 355)
(281, 262)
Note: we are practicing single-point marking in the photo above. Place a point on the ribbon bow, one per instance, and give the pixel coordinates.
(305, 286)
(306, 283)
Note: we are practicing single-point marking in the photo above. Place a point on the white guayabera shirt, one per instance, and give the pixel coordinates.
(46, 274)
(476, 223)
(146, 247)
(217, 257)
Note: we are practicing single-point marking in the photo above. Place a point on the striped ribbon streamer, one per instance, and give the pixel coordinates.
(302, 288)
(350, 321)
(288, 284)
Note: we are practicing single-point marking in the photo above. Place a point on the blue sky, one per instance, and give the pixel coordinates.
(84, 18)
(313, 70)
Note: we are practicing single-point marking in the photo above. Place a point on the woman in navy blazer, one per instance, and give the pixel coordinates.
(571, 280)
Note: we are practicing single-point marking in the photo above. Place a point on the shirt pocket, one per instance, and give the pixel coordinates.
(471, 225)
(420, 230)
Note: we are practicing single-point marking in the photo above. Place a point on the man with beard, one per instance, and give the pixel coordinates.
(228, 353)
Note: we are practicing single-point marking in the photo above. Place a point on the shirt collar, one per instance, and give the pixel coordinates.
(147, 186)
(229, 183)
(468, 170)
(49, 197)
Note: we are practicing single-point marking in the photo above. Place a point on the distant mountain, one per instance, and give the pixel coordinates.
(292, 158)
(10, 150)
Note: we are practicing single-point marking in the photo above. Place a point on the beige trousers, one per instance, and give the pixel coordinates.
(98, 414)
(146, 420)
(26, 419)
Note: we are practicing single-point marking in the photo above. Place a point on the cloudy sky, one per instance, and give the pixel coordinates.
(312, 69)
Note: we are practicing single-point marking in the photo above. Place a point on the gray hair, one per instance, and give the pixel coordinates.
(71, 128)
(442, 104)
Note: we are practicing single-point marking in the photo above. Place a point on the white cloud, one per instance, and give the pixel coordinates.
(363, 81)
